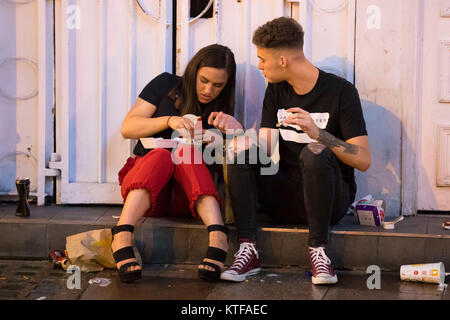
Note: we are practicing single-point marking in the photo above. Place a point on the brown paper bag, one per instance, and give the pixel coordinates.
(91, 250)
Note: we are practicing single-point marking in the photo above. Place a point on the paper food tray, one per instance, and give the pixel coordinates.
(371, 213)
(153, 143)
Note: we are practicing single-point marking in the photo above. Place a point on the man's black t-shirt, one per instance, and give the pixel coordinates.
(156, 92)
(334, 105)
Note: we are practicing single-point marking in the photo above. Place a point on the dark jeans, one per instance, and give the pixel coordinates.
(315, 195)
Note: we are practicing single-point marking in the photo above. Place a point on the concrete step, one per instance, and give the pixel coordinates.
(418, 239)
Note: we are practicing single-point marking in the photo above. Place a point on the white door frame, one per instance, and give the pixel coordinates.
(412, 42)
(45, 97)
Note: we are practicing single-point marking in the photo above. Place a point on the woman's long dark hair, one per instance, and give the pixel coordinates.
(185, 93)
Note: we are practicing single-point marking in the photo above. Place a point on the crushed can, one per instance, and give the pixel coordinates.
(59, 259)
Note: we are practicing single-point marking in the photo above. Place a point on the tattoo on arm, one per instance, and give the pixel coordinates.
(332, 142)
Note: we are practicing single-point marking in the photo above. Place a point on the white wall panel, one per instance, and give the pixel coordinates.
(232, 25)
(330, 35)
(102, 66)
(20, 82)
(379, 69)
(85, 103)
(328, 42)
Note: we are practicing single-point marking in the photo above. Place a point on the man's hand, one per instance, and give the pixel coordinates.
(303, 119)
(224, 122)
(354, 152)
(212, 138)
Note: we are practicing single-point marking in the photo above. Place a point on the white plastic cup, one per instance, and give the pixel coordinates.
(429, 272)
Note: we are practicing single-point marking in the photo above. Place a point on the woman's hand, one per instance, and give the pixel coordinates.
(184, 126)
(224, 122)
(303, 119)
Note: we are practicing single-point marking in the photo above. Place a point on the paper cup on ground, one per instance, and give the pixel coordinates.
(430, 272)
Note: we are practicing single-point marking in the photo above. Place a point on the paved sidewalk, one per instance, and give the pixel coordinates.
(30, 280)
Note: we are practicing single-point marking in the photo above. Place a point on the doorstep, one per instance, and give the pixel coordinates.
(416, 239)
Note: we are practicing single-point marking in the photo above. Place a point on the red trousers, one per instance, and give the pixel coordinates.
(174, 188)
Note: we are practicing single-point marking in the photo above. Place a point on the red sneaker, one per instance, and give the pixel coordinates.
(246, 263)
(322, 272)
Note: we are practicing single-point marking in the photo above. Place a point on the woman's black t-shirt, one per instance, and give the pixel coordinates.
(156, 92)
(333, 101)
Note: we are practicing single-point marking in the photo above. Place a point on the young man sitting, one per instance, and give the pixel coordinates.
(323, 138)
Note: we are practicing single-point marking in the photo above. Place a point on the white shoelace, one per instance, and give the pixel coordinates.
(320, 260)
(243, 255)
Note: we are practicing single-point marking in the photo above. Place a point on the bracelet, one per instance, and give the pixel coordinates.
(168, 121)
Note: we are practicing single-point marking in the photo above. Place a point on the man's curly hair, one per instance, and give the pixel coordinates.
(279, 33)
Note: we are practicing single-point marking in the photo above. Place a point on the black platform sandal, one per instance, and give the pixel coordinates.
(124, 254)
(213, 253)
